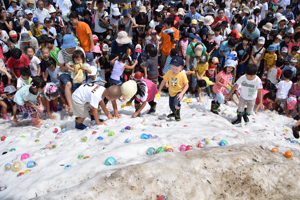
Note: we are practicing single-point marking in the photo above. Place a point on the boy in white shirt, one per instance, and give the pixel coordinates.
(24, 79)
(86, 99)
(274, 74)
(283, 88)
(250, 86)
(49, 30)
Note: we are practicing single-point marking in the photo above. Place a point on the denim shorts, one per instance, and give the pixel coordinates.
(117, 82)
(219, 98)
(65, 78)
(194, 81)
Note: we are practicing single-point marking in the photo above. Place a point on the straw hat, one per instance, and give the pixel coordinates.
(268, 26)
(143, 9)
(123, 38)
(281, 18)
(208, 20)
(181, 12)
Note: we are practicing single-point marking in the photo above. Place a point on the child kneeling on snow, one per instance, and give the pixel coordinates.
(28, 100)
(10, 92)
(86, 99)
(250, 84)
(50, 93)
(268, 100)
(178, 85)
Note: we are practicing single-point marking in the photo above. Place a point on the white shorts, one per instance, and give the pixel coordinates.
(81, 110)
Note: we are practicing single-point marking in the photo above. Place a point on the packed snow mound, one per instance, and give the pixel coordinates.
(240, 170)
(231, 172)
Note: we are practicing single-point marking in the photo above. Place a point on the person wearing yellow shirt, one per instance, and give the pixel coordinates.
(270, 57)
(178, 85)
(200, 71)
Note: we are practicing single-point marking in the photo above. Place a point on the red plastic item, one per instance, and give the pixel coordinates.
(21, 173)
(160, 198)
(3, 138)
(94, 132)
(55, 130)
(185, 126)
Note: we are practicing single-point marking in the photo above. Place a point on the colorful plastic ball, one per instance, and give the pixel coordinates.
(110, 133)
(203, 142)
(128, 140)
(94, 132)
(99, 138)
(3, 138)
(288, 154)
(160, 149)
(16, 166)
(155, 137)
(206, 140)
(110, 161)
(80, 156)
(150, 151)
(30, 164)
(222, 143)
(84, 139)
(21, 174)
(24, 156)
(182, 147)
(168, 147)
(55, 130)
(46, 125)
(200, 145)
(144, 136)
(275, 150)
(7, 166)
(289, 139)
(170, 150)
(127, 128)
(68, 167)
(64, 130)
(189, 147)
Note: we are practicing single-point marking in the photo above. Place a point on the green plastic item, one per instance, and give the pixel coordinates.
(22, 136)
(224, 141)
(80, 156)
(106, 131)
(160, 149)
(111, 133)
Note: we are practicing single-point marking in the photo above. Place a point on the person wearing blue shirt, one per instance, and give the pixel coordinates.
(288, 12)
(251, 31)
(291, 66)
(193, 14)
(224, 50)
(121, 48)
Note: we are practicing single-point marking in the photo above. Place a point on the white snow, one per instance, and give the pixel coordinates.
(244, 169)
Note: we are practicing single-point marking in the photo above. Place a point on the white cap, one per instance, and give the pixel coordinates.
(94, 71)
(160, 8)
(105, 47)
(261, 40)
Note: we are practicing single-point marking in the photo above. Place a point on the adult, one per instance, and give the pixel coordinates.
(218, 20)
(58, 24)
(226, 12)
(193, 14)
(269, 18)
(294, 42)
(101, 19)
(115, 18)
(5, 22)
(122, 45)
(209, 8)
(284, 3)
(83, 32)
(194, 50)
(128, 22)
(264, 9)
(142, 19)
(64, 6)
(155, 22)
(13, 7)
(238, 23)
(183, 5)
(174, 16)
(5, 43)
(208, 20)
(26, 41)
(231, 10)
(66, 71)
(251, 31)
(256, 16)
(41, 13)
(79, 6)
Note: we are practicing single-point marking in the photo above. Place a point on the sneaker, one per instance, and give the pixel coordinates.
(171, 115)
(5, 116)
(177, 115)
(79, 126)
(152, 109)
(25, 115)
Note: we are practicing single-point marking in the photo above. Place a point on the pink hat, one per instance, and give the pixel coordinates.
(96, 49)
(291, 103)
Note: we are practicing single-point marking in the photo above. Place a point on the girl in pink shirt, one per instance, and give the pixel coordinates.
(183, 44)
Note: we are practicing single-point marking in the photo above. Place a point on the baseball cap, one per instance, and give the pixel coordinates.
(177, 61)
(105, 47)
(279, 37)
(261, 40)
(9, 89)
(153, 32)
(27, 12)
(129, 89)
(138, 75)
(13, 33)
(94, 71)
(291, 103)
(35, 19)
(194, 21)
(235, 34)
(210, 32)
(202, 59)
(270, 16)
(198, 50)
(230, 63)
(89, 58)
(284, 50)
(95, 38)
(293, 60)
(234, 10)
(138, 48)
(215, 60)
(293, 21)
(47, 19)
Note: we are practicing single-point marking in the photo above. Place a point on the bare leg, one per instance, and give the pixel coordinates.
(68, 93)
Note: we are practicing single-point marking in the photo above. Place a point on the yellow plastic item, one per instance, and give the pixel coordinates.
(124, 105)
(78, 73)
(157, 96)
(27, 170)
(187, 100)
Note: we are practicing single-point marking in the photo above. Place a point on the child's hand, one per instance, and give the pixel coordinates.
(262, 107)
(117, 115)
(135, 115)
(40, 109)
(179, 97)
(289, 116)
(101, 123)
(52, 116)
(109, 116)
(15, 120)
(297, 124)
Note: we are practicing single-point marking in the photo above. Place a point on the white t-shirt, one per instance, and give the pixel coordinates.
(114, 21)
(99, 29)
(33, 65)
(5, 38)
(283, 89)
(263, 10)
(249, 88)
(53, 31)
(41, 14)
(64, 6)
(272, 75)
(21, 82)
(89, 93)
(153, 23)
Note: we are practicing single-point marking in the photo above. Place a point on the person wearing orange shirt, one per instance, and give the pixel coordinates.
(83, 31)
(169, 36)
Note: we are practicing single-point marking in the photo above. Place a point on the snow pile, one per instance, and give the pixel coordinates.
(244, 169)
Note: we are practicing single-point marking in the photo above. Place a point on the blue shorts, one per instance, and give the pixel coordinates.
(194, 81)
(219, 98)
(117, 82)
(65, 78)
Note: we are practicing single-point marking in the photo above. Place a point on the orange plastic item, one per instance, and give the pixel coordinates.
(275, 150)
(288, 154)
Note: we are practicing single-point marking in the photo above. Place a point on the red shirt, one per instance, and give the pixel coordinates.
(176, 19)
(264, 101)
(17, 64)
(211, 70)
(217, 19)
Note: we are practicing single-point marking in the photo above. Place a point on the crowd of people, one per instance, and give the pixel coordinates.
(76, 55)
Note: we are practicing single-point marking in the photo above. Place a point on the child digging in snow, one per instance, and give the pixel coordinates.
(250, 84)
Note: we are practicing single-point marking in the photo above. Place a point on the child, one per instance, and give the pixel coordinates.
(244, 51)
(27, 100)
(209, 43)
(150, 68)
(110, 36)
(250, 86)
(53, 50)
(52, 70)
(295, 89)
(202, 84)
(167, 67)
(120, 63)
(200, 72)
(17, 61)
(283, 88)
(218, 39)
(224, 50)
(268, 100)
(289, 106)
(291, 66)
(183, 44)
(145, 92)
(293, 52)
(86, 99)
(37, 28)
(10, 92)
(286, 40)
(25, 78)
(80, 66)
(14, 40)
(45, 54)
(94, 78)
(277, 41)
(222, 82)
(211, 71)
(49, 30)
(50, 95)
(284, 55)
(270, 57)
(42, 43)
(95, 40)
(258, 52)
(154, 40)
(290, 26)
(34, 64)
(274, 74)
(178, 86)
